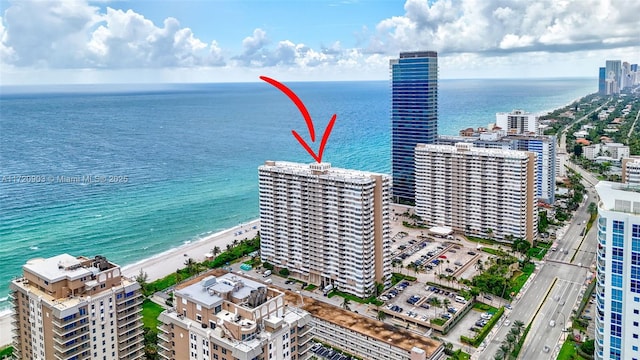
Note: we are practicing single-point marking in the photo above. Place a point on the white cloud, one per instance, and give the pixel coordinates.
(495, 26)
(473, 38)
(74, 34)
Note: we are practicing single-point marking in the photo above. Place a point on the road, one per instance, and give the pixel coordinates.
(563, 138)
(563, 276)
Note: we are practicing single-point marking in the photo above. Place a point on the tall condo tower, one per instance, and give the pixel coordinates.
(618, 272)
(414, 116)
(68, 307)
(327, 226)
(478, 192)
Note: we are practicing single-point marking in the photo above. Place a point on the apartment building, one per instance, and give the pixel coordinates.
(517, 122)
(477, 191)
(230, 317)
(414, 115)
(74, 308)
(327, 226)
(543, 146)
(631, 171)
(618, 272)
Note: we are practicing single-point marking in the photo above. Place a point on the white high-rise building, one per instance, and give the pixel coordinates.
(476, 191)
(618, 272)
(517, 122)
(327, 226)
(542, 145)
(631, 171)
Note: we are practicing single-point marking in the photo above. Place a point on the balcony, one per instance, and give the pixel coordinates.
(124, 299)
(131, 334)
(130, 311)
(131, 319)
(133, 353)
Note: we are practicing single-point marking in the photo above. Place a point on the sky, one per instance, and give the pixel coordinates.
(171, 41)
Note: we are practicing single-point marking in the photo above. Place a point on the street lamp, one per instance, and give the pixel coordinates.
(564, 324)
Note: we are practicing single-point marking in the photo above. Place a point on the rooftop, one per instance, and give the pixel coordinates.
(619, 197)
(470, 149)
(369, 327)
(208, 291)
(64, 266)
(322, 170)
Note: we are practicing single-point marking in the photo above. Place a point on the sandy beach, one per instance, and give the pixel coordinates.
(160, 265)
(163, 264)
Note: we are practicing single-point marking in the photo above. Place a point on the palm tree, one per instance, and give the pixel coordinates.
(345, 304)
(479, 265)
(510, 340)
(446, 303)
(515, 332)
(191, 264)
(499, 355)
(505, 349)
(518, 325)
(381, 315)
(215, 251)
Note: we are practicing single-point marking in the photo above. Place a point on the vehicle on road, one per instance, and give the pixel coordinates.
(552, 323)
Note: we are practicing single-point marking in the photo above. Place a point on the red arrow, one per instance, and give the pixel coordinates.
(307, 118)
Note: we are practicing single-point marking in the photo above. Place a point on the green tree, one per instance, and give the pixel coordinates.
(284, 272)
(593, 208)
(142, 278)
(346, 304)
(381, 315)
(215, 251)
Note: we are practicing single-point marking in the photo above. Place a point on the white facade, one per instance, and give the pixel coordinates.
(543, 146)
(476, 191)
(326, 225)
(631, 171)
(618, 272)
(615, 151)
(517, 122)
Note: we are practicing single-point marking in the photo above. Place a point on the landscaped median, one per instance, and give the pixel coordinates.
(477, 340)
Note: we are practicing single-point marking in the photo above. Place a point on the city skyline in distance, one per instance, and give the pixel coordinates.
(151, 42)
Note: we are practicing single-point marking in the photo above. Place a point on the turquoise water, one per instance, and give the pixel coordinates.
(190, 154)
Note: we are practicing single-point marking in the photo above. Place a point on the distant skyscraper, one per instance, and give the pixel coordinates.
(618, 272)
(414, 116)
(614, 76)
(478, 192)
(327, 226)
(70, 307)
(602, 77)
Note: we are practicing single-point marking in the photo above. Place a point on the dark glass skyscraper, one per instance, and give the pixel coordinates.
(414, 116)
(602, 85)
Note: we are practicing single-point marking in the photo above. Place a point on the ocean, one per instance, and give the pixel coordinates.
(131, 171)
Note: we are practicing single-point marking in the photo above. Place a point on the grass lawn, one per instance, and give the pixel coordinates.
(519, 281)
(569, 352)
(311, 287)
(150, 312)
(537, 252)
(485, 307)
(5, 353)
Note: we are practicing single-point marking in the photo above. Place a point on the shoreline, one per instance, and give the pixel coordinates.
(160, 265)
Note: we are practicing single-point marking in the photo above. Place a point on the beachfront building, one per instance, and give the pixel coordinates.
(232, 317)
(488, 193)
(414, 116)
(602, 76)
(618, 272)
(517, 122)
(68, 307)
(543, 146)
(326, 226)
(631, 171)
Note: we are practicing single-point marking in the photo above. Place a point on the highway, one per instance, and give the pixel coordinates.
(557, 287)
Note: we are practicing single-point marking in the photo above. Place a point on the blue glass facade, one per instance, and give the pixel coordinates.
(602, 85)
(414, 116)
